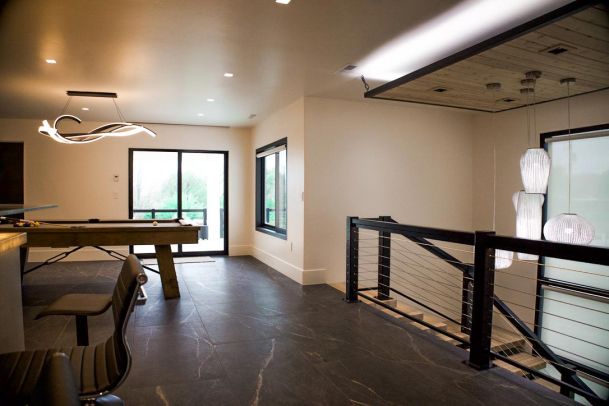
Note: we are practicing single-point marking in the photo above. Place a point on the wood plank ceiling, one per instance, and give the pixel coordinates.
(576, 46)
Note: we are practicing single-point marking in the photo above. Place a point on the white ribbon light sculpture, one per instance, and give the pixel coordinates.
(107, 130)
(117, 129)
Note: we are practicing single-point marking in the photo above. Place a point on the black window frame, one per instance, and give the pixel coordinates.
(261, 226)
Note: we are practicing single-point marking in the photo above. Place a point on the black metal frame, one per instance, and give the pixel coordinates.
(261, 211)
(179, 211)
(476, 49)
(484, 299)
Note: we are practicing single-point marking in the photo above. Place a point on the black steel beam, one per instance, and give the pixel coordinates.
(79, 93)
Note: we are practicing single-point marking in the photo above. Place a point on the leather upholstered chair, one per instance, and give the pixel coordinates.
(98, 369)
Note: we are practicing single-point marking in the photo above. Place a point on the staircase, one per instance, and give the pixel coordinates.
(503, 341)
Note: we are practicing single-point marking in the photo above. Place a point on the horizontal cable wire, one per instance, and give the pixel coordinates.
(418, 296)
(559, 267)
(554, 331)
(411, 264)
(422, 278)
(554, 300)
(397, 275)
(436, 269)
(443, 247)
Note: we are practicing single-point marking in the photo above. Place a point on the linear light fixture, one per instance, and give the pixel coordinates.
(467, 23)
(283, 1)
(115, 129)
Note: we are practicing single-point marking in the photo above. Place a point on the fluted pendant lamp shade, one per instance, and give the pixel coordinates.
(535, 170)
(569, 228)
(528, 218)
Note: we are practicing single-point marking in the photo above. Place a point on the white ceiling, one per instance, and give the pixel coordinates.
(164, 58)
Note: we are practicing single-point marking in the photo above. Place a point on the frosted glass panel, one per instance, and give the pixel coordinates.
(589, 198)
(576, 328)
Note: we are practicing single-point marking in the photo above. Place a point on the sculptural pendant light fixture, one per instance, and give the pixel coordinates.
(115, 129)
(535, 163)
(503, 259)
(569, 227)
(535, 171)
(529, 216)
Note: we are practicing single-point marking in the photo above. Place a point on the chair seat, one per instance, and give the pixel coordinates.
(95, 369)
(78, 304)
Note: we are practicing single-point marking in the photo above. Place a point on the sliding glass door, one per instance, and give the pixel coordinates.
(169, 184)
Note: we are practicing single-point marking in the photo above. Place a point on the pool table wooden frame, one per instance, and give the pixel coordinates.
(96, 233)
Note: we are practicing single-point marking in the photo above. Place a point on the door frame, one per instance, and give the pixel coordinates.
(180, 253)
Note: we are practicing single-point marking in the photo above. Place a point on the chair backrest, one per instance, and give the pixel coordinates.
(116, 349)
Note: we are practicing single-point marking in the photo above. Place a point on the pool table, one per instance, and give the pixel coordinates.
(97, 233)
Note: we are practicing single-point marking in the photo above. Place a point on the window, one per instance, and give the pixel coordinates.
(271, 189)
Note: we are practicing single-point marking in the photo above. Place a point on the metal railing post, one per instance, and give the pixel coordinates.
(352, 260)
(384, 262)
(482, 303)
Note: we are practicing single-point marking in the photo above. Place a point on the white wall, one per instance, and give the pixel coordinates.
(79, 178)
(378, 158)
(284, 255)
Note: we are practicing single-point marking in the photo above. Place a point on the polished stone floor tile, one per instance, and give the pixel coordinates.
(244, 334)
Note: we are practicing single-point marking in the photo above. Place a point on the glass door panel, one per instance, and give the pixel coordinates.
(181, 184)
(203, 198)
(154, 189)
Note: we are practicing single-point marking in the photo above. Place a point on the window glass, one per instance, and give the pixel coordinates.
(271, 189)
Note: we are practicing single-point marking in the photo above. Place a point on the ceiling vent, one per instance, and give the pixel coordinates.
(556, 49)
(439, 89)
(348, 68)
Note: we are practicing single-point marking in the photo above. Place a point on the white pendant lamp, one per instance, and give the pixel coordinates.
(503, 259)
(569, 227)
(535, 170)
(535, 163)
(528, 219)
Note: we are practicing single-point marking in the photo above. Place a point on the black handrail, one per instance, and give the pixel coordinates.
(489, 241)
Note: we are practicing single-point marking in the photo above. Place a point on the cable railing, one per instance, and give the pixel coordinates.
(450, 275)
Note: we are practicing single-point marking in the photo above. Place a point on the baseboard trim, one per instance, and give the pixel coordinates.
(239, 250)
(297, 274)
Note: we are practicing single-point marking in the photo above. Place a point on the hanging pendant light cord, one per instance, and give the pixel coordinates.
(65, 106)
(534, 134)
(569, 135)
(494, 162)
(118, 111)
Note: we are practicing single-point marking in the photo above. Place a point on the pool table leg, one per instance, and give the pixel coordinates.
(164, 257)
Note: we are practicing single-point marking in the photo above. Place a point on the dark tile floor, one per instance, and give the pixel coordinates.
(243, 334)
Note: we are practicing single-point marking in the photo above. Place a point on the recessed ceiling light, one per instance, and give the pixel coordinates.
(51, 61)
(85, 109)
(211, 100)
(200, 114)
(229, 75)
(283, 1)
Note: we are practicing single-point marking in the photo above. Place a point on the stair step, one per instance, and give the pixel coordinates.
(505, 341)
(523, 358)
(549, 385)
